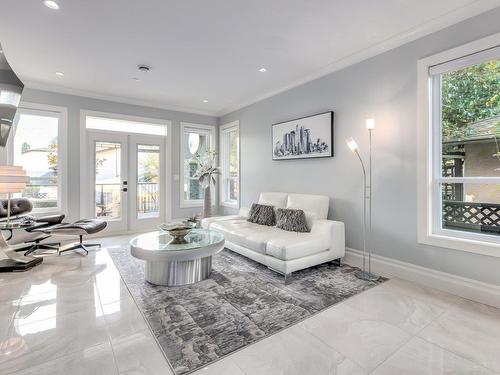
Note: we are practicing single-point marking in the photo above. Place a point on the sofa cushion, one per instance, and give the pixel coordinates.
(291, 220)
(262, 214)
(278, 200)
(294, 245)
(246, 234)
(207, 222)
(314, 206)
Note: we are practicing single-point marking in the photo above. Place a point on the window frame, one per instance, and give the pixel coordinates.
(223, 130)
(62, 152)
(429, 166)
(85, 113)
(206, 129)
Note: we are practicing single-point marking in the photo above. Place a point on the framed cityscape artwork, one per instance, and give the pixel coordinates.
(304, 138)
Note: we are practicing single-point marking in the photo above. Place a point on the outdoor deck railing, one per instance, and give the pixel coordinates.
(473, 216)
(108, 203)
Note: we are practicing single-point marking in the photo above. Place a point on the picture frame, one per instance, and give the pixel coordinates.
(308, 137)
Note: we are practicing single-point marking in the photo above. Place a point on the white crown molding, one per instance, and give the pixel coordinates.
(436, 24)
(478, 291)
(93, 95)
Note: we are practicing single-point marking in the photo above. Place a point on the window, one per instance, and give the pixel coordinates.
(229, 142)
(124, 124)
(195, 140)
(37, 146)
(463, 144)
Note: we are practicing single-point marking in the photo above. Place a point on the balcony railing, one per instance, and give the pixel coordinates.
(484, 217)
(108, 199)
(42, 192)
(148, 197)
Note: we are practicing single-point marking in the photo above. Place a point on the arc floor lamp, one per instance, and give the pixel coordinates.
(366, 274)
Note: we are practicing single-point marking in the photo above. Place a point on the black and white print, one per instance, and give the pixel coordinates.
(304, 138)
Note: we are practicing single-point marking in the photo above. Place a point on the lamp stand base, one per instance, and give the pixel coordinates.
(368, 276)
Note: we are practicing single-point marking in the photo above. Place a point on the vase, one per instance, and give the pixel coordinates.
(207, 202)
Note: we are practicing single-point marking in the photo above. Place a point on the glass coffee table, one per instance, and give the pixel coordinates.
(173, 264)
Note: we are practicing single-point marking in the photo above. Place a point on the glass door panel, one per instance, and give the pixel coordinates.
(108, 172)
(127, 180)
(148, 181)
(108, 180)
(147, 192)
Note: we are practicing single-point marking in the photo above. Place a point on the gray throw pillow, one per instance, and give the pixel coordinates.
(291, 220)
(262, 214)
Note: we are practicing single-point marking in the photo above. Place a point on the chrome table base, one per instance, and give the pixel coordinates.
(178, 273)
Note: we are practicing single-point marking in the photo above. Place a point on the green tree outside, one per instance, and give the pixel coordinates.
(469, 95)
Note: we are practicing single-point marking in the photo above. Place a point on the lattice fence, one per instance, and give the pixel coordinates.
(478, 216)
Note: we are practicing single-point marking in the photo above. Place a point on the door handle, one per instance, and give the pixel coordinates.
(124, 189)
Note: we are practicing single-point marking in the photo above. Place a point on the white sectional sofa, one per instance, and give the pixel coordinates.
(280, 250)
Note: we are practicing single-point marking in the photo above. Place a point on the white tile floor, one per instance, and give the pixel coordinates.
(74, 315)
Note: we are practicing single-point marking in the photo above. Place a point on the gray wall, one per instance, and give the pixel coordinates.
(75, 103)
(383, 87)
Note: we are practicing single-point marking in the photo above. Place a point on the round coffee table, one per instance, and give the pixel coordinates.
(173, 264)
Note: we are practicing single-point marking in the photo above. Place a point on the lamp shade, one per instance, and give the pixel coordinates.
(370, 123)
(13, 179)
(351, 143)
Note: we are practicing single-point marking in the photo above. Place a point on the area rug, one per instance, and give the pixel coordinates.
(242, 302)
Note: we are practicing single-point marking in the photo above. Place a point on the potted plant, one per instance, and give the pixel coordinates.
(206, 176)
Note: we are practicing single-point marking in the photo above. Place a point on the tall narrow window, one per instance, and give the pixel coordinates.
(148, 181)
(229, 142)
(196, 140)
(36, 147)
(467, 117)
(464, 144)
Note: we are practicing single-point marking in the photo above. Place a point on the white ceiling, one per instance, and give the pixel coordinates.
(201, 49)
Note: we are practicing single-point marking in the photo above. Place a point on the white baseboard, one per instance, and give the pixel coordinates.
(463, 287)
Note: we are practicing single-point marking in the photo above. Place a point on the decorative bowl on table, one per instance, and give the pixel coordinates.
(178, 231)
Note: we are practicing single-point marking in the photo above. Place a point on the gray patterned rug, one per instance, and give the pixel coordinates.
(241, 303)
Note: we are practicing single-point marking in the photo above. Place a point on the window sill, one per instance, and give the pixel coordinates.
(45, 211)
(230, 204)
(188, 204)
(470, 245)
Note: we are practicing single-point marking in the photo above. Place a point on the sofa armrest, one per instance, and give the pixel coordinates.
(335, 230)
(207, 222)
(244, 212)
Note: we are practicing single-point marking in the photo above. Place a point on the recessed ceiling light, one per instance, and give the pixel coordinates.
(262, 70)
(205, 100)
(60, 74)
(52, 4)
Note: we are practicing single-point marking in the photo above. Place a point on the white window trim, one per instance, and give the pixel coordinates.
(62, 155)
(426, 136)
(234, 125)
(119, 116)
(185, 203)
(84, 178)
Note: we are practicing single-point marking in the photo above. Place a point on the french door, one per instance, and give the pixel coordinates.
(127, 173)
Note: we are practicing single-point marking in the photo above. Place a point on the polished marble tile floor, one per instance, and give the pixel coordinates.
(74, 315)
